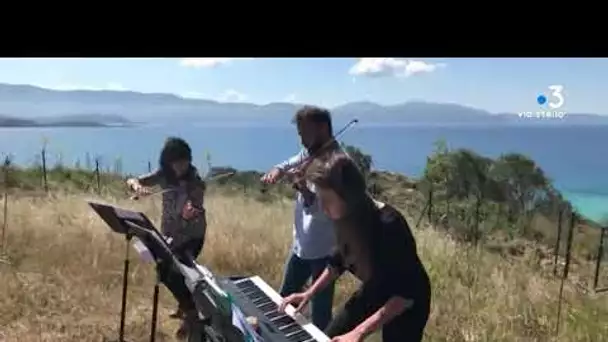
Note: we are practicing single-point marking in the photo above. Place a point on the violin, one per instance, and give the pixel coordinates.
(295, 174)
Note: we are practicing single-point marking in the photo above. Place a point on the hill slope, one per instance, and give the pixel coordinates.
(30, 102)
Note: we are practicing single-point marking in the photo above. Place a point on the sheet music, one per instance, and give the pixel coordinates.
(240, 322)
(143, 252)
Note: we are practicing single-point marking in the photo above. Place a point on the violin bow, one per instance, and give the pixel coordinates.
(159, 192)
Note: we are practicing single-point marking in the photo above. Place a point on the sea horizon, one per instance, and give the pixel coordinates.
(568, 154)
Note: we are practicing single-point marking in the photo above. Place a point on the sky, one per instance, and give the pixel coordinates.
(493, 84)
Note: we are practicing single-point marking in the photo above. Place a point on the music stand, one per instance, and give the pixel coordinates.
(137, 224)
(110, 217)
(158, 247)
(204, 328)
(130, 223)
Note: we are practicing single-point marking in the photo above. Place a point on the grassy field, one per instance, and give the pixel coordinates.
(63, 282)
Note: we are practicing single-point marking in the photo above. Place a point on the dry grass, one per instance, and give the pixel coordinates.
(64, 283)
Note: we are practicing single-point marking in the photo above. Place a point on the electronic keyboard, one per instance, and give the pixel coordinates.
(251, 297)
(256, 298)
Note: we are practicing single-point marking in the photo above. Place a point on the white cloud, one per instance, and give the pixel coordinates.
(291, 98)
(198, 63)
(115, 86)
(70, 86)
(232, 95)
(398, 67)
(194, 95)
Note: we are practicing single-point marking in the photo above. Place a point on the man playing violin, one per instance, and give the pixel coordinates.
(313, 235)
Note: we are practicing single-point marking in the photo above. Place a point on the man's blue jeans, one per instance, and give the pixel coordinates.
(297, 272)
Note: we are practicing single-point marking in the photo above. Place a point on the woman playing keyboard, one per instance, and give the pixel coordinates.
(375, 243)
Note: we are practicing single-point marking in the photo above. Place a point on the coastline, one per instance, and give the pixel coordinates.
(592, 206)
(70, 125)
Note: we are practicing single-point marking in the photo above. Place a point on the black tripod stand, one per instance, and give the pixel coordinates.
(155, 307)
(125, 284)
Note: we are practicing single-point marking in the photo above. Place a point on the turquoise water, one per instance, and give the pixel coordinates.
(593, 206)
(571, 156)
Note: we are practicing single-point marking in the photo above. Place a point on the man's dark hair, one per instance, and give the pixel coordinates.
(313, 114)
(175, 149)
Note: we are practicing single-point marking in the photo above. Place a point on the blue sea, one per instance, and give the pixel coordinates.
(571, 156)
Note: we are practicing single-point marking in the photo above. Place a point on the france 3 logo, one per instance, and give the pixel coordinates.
(550, 103)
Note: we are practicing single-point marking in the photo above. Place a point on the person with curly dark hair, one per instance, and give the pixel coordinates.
(183, 216)
(376, 244)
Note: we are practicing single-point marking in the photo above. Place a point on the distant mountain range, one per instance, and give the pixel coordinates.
(23, 105)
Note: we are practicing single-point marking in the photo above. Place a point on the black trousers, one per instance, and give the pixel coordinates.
(173, 279)
(407, 327)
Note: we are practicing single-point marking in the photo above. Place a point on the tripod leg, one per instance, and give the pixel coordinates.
(154, 310)
(125, 283)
